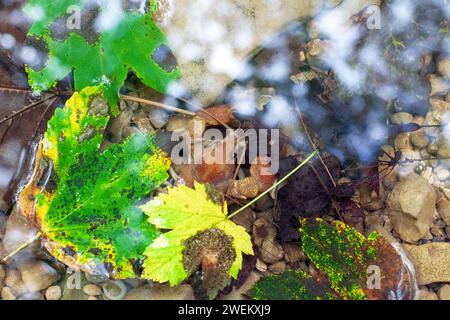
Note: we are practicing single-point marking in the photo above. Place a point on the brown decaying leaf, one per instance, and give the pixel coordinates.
(217, 115)
(17, 133)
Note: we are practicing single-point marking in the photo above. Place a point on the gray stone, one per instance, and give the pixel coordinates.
(158, 118)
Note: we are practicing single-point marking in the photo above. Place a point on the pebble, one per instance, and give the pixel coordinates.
(114, 290)
(38, 275)
(444, 292)
(177, 122)
(278, 267)
(431, 262)
(263, 229)
(419, 139)
(293, 253)
(8, 294)
(433, 148)
(315, 51)
(53, 293)
(443, 208)
(261, 265)
(438, 85)
(402, 141)
(32, 296)
(161, 292)
(95, 278)
(245, 219)
(158, 118)
(443, 67)
(401, 118)
(92, 298)
(271, 251)
(442, 173)
(92, 290)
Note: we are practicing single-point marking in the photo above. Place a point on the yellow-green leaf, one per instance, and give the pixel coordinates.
(185, 212)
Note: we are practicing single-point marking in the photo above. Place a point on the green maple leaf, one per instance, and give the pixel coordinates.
(135, 43)
(89, 218)
(187, 212)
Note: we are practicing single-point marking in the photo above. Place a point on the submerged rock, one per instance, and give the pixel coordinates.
(38, 275)
(431, 262)
(411, 207)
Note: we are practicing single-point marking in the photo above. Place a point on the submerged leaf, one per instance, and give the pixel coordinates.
(342, 253)
(346, 261)
(293, 285)
(98, 56)
(187, 212)
(89, 219)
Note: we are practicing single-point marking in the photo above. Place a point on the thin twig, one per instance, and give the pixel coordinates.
(25, 109)
(21, 247)
(312, 155)
(156, 104)
(312, 143)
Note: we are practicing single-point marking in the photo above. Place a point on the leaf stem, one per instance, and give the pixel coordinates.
(312, 155)
(21, 247)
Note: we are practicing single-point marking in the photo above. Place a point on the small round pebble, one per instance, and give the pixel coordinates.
(114, 290)
(53, 293)
(443, 174)
(92, 298)
(92, 290)
(401, 118)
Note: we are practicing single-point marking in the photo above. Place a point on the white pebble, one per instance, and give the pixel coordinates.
(443, 174)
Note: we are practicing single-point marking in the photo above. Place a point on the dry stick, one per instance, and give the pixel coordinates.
(23, 246)
(25, 109)
(156, 104)
(312, 155)
(236, 172)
